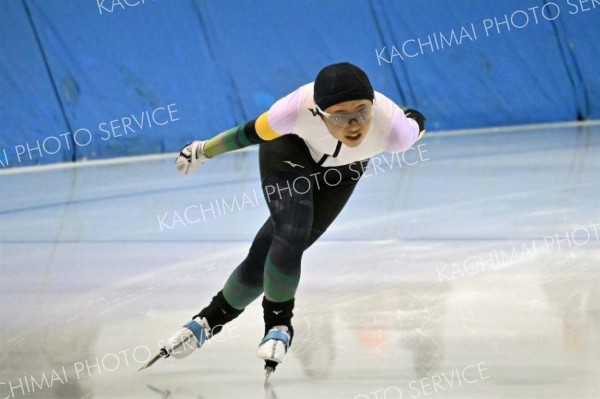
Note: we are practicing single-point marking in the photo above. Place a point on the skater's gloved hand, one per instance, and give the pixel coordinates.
(191, 157)
(418, 117)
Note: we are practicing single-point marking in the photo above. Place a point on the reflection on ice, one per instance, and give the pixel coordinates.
(90, 284)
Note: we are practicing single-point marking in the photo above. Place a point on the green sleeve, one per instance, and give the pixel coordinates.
(233, 139)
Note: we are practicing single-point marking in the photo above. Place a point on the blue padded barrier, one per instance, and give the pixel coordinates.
(100, 68)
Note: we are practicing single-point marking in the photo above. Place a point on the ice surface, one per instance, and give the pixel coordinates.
(472, 273)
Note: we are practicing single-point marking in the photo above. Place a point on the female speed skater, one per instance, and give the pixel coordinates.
(314, 145)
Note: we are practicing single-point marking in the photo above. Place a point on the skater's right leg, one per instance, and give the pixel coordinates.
(203, 326)
(245, 284)
(218, 313)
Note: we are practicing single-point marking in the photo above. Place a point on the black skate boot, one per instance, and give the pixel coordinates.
(204, 325)
(218, 313)
(278, 333)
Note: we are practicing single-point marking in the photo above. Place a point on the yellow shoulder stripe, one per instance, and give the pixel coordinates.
(263, 128)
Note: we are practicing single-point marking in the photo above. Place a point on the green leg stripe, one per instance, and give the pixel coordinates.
(278, 286)
(238, 294)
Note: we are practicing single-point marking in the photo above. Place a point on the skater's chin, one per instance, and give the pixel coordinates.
(353, 140)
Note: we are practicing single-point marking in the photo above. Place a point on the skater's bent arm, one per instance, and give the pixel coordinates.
(408, 126)
(255, 131)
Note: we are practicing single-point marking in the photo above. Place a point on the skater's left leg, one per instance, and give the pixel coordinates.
(326, 203)
(246, 282)
(300, 217)
(292, 215)
(285, 168)
(329, 201)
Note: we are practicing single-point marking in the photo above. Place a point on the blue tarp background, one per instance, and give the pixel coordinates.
(70, 65)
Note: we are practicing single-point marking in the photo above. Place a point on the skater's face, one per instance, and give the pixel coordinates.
(350, 121)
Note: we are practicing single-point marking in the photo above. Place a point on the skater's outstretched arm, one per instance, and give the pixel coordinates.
(196, 153)
(255, 131)
(277, 121)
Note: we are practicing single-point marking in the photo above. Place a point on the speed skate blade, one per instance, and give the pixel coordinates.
(268, 372)
(160, 355)
(270, 367)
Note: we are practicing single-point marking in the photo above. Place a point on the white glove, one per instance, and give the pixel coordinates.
(191, 157)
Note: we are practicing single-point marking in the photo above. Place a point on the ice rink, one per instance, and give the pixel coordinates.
(469, 268)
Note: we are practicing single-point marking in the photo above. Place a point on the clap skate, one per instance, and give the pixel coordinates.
(273, 348)
(191, 337)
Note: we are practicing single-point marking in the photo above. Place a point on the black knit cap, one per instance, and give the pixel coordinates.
(341, 82)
